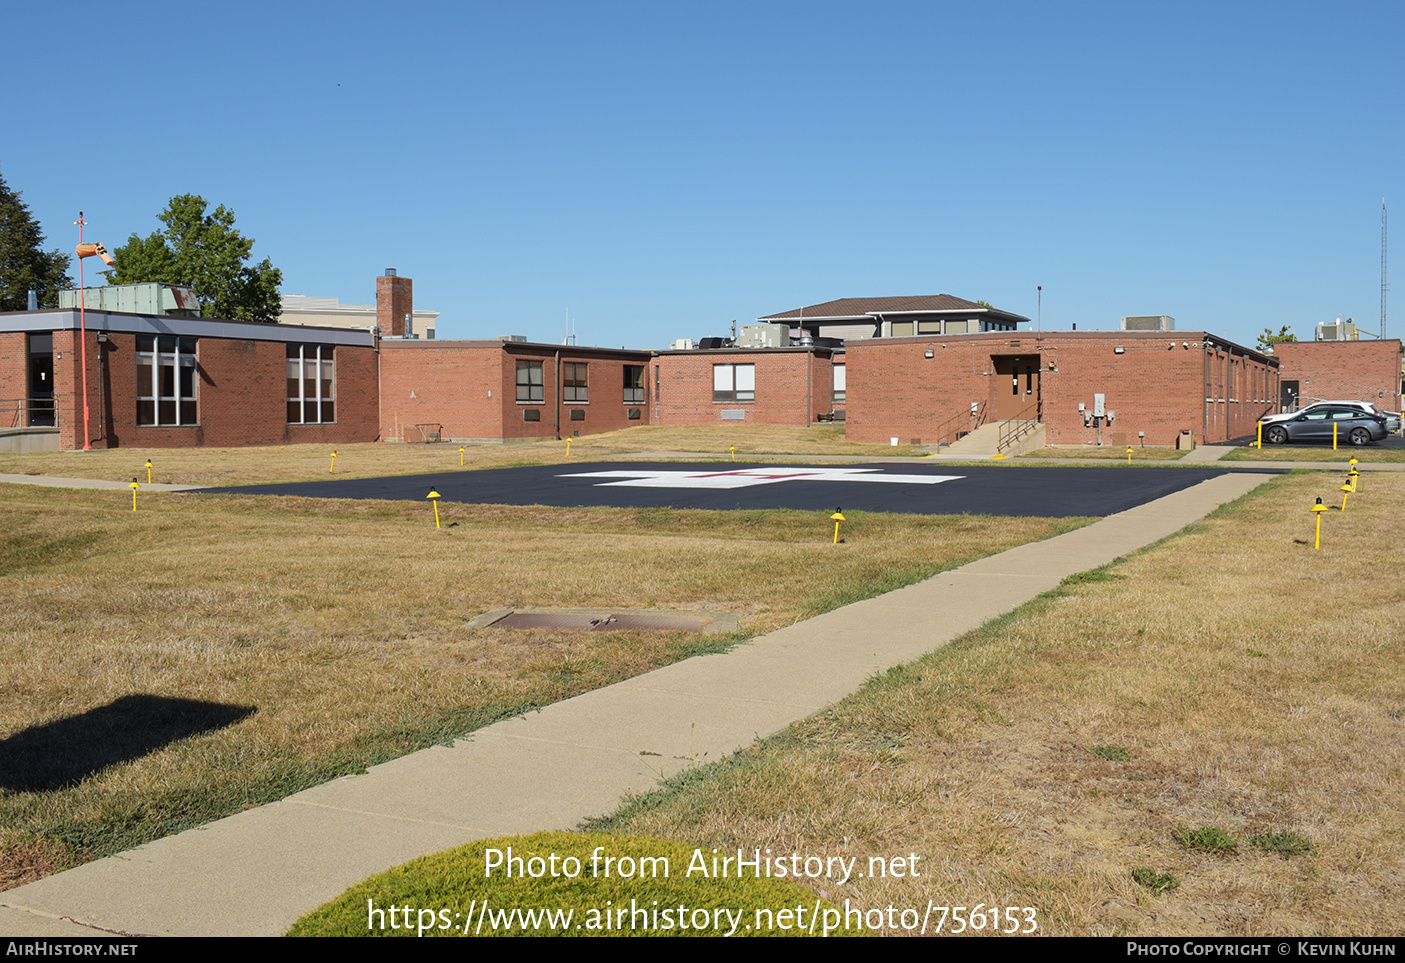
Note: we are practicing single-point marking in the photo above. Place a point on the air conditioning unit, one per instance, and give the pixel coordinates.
(1338, 330)
(1148, 322)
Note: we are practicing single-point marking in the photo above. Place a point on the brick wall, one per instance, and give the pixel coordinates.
(241, 396)
(470, 389)
(1156, 384)
(792, 386)
(1343, 370)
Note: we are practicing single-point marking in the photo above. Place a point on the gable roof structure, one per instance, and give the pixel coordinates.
(871, 309)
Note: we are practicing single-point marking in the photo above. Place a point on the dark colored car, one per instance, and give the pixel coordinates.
(1316, 424)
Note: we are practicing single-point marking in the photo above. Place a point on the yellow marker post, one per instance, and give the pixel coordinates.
(1347, 489)
(1259, 441)
(460, 456)
(837, 517)
(1317, 510)
(568, 448)
(734, 453)
(134, 486)
(1334, 436)
(433, 497)
(1129, 456)
(1351, 470)
(334, 463)
(148, 471)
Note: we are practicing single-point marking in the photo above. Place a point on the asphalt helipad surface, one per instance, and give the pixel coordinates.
(925, 489)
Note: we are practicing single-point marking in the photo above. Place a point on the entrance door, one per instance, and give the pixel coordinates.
(1288, 395)
(1016, 386)
(41, 381)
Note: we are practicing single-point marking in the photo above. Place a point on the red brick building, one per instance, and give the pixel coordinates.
(763, 386)
(928, 390)
(164, 382)
(1340, 371)
(508, 390)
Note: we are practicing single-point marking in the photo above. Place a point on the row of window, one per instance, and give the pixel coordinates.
(575, 383)
(166, 368)
(737, 382)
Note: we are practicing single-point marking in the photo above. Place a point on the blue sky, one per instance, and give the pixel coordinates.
(659, 169)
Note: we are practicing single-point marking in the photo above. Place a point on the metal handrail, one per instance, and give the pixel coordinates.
(22, 410)
(973, 420)
(1013, 429)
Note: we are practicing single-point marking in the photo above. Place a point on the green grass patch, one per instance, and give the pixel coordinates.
(1285, 844)
(1093, 575)
(1158, 883)
(1207, 839)
(1111, 753)
(575, 884)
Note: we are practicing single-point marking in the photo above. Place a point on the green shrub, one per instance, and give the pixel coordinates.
(575, 884)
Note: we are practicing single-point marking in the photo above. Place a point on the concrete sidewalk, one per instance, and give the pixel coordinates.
(256, 872)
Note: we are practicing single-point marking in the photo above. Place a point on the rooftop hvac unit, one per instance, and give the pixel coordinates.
(1337, 331)
(764, 336)
(515, 338)
(150, 298)
(1148, 322)
(682, 344)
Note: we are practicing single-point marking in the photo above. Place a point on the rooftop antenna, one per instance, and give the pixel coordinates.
(1040, 312)
(1385, 278)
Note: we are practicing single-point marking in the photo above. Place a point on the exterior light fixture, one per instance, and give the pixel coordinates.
(929, 353)
(1119, 350)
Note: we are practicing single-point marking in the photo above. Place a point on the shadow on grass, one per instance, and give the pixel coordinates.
(64, 752)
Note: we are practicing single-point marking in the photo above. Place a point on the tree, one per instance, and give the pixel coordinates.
(23, 262)
(205, 252)
(1268, 339)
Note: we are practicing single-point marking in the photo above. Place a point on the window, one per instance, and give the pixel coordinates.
(573, 384)
(929, 327)
(634, 384)
(734, 382)
(529, 382)
(839, 381)
(531, 414)
(902, 329)
(165, 381)
(312, 384)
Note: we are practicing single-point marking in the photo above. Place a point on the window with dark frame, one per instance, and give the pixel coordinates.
(634, 384)
(839, 383)
(734, 382)
(573, 383)
(529, 382)
(166, 381)
(312, 384)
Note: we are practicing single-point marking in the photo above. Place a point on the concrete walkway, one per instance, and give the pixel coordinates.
(256, 872)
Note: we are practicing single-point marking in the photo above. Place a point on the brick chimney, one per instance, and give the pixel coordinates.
(395, 301)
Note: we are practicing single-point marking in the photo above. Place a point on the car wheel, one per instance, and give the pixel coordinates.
(1277, 435)
(1360, 436)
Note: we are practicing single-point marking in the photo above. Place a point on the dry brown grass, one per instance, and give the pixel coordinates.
(1317, 453)
(1230, 677)
(748, 439)
(289, 463)
(338, 632)
(1111, 452)
(278, 463)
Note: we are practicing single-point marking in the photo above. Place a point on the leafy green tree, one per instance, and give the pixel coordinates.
(1268, 339)
(24, 264)
(205, 252)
